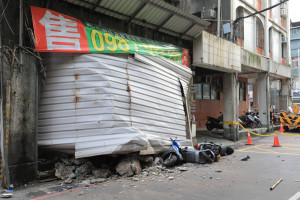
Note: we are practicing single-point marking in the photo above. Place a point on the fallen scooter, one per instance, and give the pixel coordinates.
(176, 154)
(173, 155)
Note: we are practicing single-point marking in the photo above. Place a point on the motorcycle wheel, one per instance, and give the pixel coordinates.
(252, 125)
(169, 160)
(258, 125)
(209, 126)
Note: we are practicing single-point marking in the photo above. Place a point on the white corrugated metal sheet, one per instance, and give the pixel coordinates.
(96, 104)
(154, 14)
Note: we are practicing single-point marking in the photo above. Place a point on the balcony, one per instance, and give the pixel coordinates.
(215, 53)
(252, 62)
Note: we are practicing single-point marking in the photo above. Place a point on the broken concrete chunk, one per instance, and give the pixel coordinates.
(101, 173)
(62, 171)
(157, 161)
(129, 167)
(182, 168)
(79, 161)
(146, 159)
(84, 169)
(6, 195)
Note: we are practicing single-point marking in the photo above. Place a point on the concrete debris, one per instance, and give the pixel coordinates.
(146, 159)
(246, 158)
(101, 173)
(84, 169)
(157, 161)
(86, 182)
(182, 169)
(6, 195)
(129, 166)
(62, 171)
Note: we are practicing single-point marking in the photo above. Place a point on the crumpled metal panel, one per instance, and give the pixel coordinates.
(151, 14)
(95, 104)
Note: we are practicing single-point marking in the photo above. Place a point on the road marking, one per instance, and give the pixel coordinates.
(286, 149)
(295, 197)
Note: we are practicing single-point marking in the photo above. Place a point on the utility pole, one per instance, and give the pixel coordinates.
(219, 19)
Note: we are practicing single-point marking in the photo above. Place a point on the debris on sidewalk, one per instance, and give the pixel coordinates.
(272, 188)
(6, 194)
(129, 166)
(246, 158)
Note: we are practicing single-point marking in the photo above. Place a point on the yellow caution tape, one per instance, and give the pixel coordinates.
(230, 123)
(257, 133)
(262, 135)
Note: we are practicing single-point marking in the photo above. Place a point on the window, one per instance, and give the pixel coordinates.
(293, 31)
(259, 37)
(270, 42)
(242, 91)
(198, 91)
(207, 87)
(240, 27)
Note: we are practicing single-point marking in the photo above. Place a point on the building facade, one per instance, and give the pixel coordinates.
(252, 51)
(295, 48)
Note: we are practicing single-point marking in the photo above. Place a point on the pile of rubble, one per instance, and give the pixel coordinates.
(75, 170)
(101, 168)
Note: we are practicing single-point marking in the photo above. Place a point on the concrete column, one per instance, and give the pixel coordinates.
(22, 139)
(255, 96)
(263, 99)
(230, 104)
(284, 95)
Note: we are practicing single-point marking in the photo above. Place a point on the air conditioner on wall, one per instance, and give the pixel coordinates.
(283, 12)
(283, 5)
(284, 39)
(208, 14)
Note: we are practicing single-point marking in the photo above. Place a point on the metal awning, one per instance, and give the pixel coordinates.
(153, 14)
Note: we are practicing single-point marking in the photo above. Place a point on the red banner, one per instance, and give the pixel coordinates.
(54, 31)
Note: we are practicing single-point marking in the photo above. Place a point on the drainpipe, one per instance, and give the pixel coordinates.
(237, 107)
(219, 18)
(268, 95)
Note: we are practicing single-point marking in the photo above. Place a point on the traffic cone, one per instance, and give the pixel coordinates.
(276, 141)
(249, 139)
(281, 128)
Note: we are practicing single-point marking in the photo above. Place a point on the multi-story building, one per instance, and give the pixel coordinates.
(295, 48)
(252, 50)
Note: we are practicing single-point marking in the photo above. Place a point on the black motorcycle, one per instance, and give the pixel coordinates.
(213, 122)
(255, 115)
(248, 120)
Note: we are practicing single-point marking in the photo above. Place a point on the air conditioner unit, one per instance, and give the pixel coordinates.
(283, 12)
(284, 39)
(208, 14)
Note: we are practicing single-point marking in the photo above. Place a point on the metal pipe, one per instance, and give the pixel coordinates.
(6, 135)
(219, 18)
(21, 28)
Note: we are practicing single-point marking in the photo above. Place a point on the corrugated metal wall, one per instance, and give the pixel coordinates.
(99, 104)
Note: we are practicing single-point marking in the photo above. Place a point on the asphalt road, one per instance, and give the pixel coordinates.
(230, 178)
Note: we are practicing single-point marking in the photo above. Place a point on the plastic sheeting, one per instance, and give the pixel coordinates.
(95, 104)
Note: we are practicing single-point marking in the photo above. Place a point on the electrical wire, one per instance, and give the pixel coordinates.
(3, 14)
